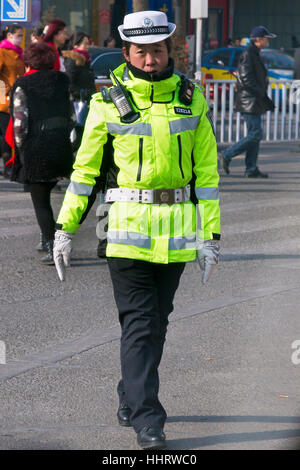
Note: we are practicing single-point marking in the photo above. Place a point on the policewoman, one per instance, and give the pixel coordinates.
(161, 135)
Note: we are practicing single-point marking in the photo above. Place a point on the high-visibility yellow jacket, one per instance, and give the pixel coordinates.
(155, 151)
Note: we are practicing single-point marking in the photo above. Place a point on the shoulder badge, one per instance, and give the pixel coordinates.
(184, 111)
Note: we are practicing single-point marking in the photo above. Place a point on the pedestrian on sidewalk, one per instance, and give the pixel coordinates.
(56, 36)
(252, 101)
(161, 133)
(82, 83)
(11, 67)
(37, 34)
(41, 113)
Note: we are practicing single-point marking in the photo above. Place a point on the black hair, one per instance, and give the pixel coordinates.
(108, 39)
(127, 45)
(12, 28)
(77, 38)
(38, 31)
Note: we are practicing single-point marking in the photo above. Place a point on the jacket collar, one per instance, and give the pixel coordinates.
(153, 77)
(145, 91)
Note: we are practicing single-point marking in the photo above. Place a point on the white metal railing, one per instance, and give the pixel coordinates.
(282, 124)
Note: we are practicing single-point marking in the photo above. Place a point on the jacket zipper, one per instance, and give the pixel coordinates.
(138, 178)
(180, 155)
(152, 93)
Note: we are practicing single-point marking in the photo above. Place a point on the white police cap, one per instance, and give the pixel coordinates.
(146, 27)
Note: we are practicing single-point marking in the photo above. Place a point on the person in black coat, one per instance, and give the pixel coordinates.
(252, 101)
(78, 68)
(41, 113)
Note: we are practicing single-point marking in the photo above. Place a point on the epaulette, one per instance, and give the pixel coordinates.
(105, 94)
(186, 91)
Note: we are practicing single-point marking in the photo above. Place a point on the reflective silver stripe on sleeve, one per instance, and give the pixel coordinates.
(80, 189)
(210, 194)
(140, 128)
(129, 238)
(184, 124)
(182, 243)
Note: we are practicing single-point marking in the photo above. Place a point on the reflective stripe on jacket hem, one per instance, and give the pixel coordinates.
(129, 238)
(144, 241)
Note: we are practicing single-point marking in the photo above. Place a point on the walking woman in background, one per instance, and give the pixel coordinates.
(41, 115)
(56, 37)
(78, 67)
(11, 67)
(82, 83)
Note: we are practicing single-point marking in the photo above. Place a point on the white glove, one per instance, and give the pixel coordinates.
(62, 252)
(208, 258)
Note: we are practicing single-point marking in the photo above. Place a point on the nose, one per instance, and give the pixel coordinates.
(149, 59)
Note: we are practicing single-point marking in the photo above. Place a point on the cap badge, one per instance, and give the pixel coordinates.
(148, 23)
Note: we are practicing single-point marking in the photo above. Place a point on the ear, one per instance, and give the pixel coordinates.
(125, 54)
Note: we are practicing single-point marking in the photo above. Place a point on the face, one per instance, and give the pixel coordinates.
(112, 43)
(16, 38)
(84, 45)
(35, 39)
(61, 37)
(261, 43)
(151, 58)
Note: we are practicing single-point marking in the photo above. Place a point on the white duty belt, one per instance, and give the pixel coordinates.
(150, 196)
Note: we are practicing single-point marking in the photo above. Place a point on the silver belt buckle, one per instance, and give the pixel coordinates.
(163, 196)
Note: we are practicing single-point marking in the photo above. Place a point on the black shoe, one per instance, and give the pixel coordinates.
(151, 438)
(256, 174)
(225, 163)
(42, 246)
(123, 415)
(48, 259)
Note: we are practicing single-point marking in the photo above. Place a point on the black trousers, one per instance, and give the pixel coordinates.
(144, 294)
(41, 195)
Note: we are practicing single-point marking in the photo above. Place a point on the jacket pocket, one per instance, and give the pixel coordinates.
(138, 177)
(180, 155)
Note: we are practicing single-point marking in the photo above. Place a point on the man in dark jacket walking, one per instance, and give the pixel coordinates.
(252, 101)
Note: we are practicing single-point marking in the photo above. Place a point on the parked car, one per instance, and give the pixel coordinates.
(222, 63)
(104, 59)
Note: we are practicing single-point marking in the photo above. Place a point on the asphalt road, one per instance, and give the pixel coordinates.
(231, 367)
